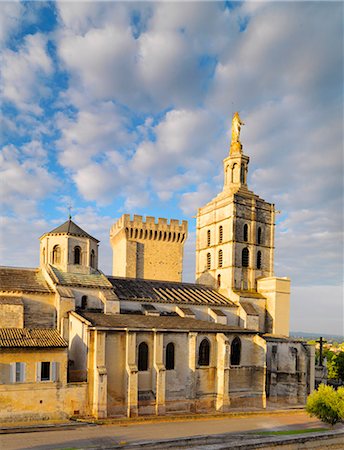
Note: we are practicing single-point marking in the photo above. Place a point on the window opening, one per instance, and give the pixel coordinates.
(92, 259)
(245, 257)
(220, 234)
(235, 351)
(219, 281)
(77, 255)
(242, 174)
(143, 357)
(220, 258)
(208, 261)
(245, 232)
(259, 259)
(204, 353)
(56, 254)
(170, 356)
(259, 236)
(45, 371)
(84, 302)
(208, 238)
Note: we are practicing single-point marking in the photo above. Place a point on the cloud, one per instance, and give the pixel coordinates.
(24, 178)
(24, 72)
(10, 19)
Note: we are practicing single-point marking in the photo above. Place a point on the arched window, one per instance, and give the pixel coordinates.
(204, 353)
(92, 259)
(259, 259)
(233, 172)
(220, 234)
(77, 255)
(242, 174)
(170, 356)
(235, 351)
(244, 257)
(84, 302)
(245, 232)
(259, 235)
(220, 259)
(56, 254)
(43, 255)
(218, 281)
(208, 261)
(143, 357)
(208, 238)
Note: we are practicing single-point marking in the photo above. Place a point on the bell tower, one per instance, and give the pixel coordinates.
(235, 230)
(70, 249)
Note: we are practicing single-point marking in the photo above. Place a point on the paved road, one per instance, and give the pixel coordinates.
(108, 435)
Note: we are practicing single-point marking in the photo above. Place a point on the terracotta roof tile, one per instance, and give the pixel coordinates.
(14, 279)
(176, 323)
(27, 337)
(96, 279)
(167, 292)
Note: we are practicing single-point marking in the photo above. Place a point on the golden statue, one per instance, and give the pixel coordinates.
(236, 126)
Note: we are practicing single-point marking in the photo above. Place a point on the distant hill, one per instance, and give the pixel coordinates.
(315, 336)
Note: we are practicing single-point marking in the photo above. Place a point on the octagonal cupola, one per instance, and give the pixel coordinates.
(69, 248)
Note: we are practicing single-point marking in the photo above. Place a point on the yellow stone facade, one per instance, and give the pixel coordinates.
(141, 341)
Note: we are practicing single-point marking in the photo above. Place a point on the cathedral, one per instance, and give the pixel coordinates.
(77, 342)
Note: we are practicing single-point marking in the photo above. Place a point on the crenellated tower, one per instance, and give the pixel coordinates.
(148, 249)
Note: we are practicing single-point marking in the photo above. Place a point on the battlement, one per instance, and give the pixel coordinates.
(140, 229)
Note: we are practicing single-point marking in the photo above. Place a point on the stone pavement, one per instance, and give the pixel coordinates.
(180, 432)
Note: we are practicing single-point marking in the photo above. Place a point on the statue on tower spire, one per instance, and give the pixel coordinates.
(236, 127)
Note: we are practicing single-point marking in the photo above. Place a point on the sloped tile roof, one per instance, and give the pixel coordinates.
(249, 308)
(138, 321)
(71, 228)
(80, 279)
(167, 292)
(15, 279)
(26, 337)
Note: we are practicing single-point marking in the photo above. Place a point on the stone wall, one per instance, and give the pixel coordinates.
(146, 249)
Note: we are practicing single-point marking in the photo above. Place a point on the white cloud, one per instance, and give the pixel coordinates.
(23, 73)
(10, 19)
(24, 178)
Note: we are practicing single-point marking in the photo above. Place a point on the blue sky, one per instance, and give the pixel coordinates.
(126, 107)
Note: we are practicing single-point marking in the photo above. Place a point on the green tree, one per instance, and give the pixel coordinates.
(326, 404)
(335, 366)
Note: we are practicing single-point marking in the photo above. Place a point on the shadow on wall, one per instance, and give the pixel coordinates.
(207, 279)
(77, 366)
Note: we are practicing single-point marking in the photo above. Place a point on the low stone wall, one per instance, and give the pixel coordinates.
(42, 401)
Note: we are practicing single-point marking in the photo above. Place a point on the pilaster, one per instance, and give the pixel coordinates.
(222, 373)
(132, 374)
(192, 341)
(99, 404)
(159, 373)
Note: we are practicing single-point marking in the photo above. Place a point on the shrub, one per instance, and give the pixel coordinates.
(326, 404)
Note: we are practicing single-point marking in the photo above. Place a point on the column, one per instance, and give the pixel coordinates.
(192, 340)
(132, 375)
(159, 373)
(99, 404)
(222, 373)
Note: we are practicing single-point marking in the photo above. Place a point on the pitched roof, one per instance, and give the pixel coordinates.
(15, 279)
(71, 228)
(26, 337)
(249, 308)
(96, 279)
(173, 323)
(167, 292)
